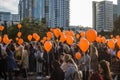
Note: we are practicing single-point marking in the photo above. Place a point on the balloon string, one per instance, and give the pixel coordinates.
(48, 63)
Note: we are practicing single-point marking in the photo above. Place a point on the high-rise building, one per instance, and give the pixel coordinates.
(5, 16)
(9, 18)
(33, 9)
(115, 12)
(103, 15)
(55, 12)
(59, 13)
(118, 4)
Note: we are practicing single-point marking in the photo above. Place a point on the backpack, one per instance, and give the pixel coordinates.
(77, 75)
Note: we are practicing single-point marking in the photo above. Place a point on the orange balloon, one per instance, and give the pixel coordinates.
(98, 39)
(77, 36)
(62, 33)
(63, 38)
(91, 35)
(1, 28)
(118, 43)
(20, 41)
(83, 44)
(19, 34)
(5, 39)
(82, 33)
(57, 32)
(0, 39)
(17, 38)
(77, 56)
(44, 38)
(69, 40)
(48, 46)
(103, 39)
(29, 37)
(71, 33)
(42, 41)
(118, 54)
(111, 44)
(19, 26)
(49, 34)
(67, 33)
(37, 38)
(51, 29)
(35, 35)
(48, 38)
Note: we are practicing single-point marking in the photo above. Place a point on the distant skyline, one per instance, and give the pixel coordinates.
(80, 10)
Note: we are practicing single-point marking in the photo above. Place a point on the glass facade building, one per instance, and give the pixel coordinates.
(103, 15)
(56, 12)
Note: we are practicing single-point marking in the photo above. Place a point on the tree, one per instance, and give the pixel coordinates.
(116, 29)
(28, 27)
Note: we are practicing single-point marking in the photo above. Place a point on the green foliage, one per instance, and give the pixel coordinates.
(28, 27)
(116, 29)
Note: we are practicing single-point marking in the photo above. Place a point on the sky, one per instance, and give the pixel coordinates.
(80, 10)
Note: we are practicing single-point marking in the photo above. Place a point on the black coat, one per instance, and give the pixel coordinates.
(57, 74)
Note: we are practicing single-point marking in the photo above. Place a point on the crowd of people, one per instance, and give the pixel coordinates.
(98, 63)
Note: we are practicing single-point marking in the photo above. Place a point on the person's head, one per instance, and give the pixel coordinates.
(66, 57)
(71, 61)
(104, 69)
(55, 65)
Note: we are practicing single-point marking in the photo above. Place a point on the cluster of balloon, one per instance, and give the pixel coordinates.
(19, 34)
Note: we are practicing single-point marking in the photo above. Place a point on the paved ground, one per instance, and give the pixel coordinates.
(32, 77)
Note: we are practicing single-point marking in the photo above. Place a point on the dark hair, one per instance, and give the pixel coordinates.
(106, 70)
(55, 64)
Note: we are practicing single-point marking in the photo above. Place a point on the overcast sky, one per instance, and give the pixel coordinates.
(80, 10)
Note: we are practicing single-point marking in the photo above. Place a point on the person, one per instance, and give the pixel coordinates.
(84, 65)
(96, 75)
(24, 61)
(11, 64)
(69, 74)
(115, 67)
(64, 66)
(3, 64)
(39, 60)
(94, 58)
(105, 70)
(57, 73)
(32, 60)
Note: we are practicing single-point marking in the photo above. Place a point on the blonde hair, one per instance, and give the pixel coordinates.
(73, 62)
(67, 57)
